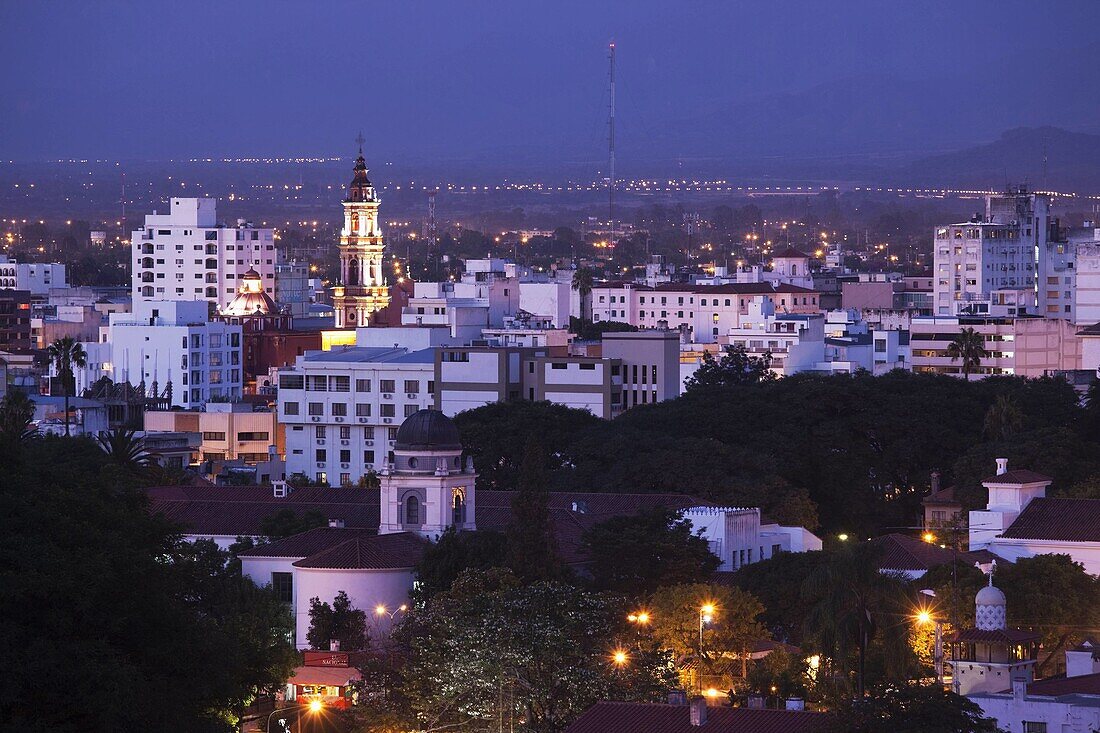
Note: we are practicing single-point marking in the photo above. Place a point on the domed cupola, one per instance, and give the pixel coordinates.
(990, 608)
(428, 430)
(360, 189)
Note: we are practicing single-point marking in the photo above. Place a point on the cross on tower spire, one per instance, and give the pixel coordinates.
(360, 140)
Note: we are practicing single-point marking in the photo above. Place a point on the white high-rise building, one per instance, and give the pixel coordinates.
(1014, 256)
(187, 255)
(166, 343)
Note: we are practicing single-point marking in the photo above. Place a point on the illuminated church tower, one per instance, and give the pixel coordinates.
(362, 289)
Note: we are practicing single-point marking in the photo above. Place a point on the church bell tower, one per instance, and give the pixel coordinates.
(362, 289)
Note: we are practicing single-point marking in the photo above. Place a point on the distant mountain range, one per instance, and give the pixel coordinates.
(1043, 157)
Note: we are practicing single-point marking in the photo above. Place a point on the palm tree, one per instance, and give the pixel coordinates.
(1003, 418)
(853, 602)
(124, 449)
(969, 346)
(582, 283)
(16, 414)
(65, 354)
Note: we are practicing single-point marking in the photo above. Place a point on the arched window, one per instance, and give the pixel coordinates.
(412, 510)
(459, 505)
(794, 270)
(353, 271)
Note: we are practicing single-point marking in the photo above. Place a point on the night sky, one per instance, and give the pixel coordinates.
(456, 80)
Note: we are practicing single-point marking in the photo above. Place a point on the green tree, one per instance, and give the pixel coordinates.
(66, 354)
(968, 346)
(340, 622)
(16, 415)
(1003, 419)
(287, 522)
(532, 549)
(779, 674)
(733, 628)
(456, 552)
(99, 595)
(777, 583)
(853, 602)
(1054, 596)
(582, 283)
(124, 449)
(913, 709)
(735, 367)
(637, 554)
(493, 652)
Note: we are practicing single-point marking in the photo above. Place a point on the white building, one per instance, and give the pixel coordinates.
(1017, 248)
(187, 255)
(342, 408)
(36, 277)
(169, 347)
(737, 537)
(1020, 520)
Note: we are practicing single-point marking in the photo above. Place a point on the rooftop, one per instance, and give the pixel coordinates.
(1018, 476)
(1049, 518)
(369, 354)
(640, 717)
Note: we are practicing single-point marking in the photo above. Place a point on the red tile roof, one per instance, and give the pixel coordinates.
(901, 552)
(1002, 636)
(365, 552)
(639, 717)
(334, 676)
(1018, 476)
(1085, 684)
(943, 496)
(306, 543)
(1068, 520)
(239, 510)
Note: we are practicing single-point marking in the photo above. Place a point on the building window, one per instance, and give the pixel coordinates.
(252, 436)
(345, 479)
(362, 385)
(1032, 727)
(410, 410)
(345, 433)
(316, 408)
(321, 455)
(412, 510)
(345, 456)
(388, 410)
(213, 436)
(368, 457)
(412, 386)
(362, 409)
(339, 409)
(340, 384)
(290, 408)
(320, 432)
(283, 585)
(387, 385)
(291, 381)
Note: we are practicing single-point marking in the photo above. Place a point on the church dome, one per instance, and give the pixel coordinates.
(990, 608)
(428, 430)
(251, 299)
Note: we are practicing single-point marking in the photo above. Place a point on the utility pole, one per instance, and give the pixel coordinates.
(611, 146)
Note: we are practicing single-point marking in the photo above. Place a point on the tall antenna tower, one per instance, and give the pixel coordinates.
(611, 145)
(432, 232)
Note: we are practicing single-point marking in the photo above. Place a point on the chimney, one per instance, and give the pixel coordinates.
(1019, 688)
(334, 645)
(698, 710)
(1002, 466)
(935, 481)
(336, 523)
(677, 697)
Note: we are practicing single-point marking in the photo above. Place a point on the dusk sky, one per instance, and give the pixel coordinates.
(450, 80)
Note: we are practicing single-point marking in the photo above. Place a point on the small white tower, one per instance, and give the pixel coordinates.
(426, 487)
(988, 657)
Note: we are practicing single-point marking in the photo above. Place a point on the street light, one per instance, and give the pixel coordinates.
(640, 617)
(381, 610)
(619, 658)
(706, 615)
(925, 617)
(315, 706)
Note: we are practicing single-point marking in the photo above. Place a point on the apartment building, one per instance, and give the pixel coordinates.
(341, 408)
(37, 278)
(170, 348)
(227, 431)
(1027, 346)
(651, 364)
(1015, 247)
(701, 312)
(187, 255)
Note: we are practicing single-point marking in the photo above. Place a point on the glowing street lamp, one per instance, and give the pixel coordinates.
(706, 615)
(381, 610)
(925, 616)
(620, 658)
(641, 618)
